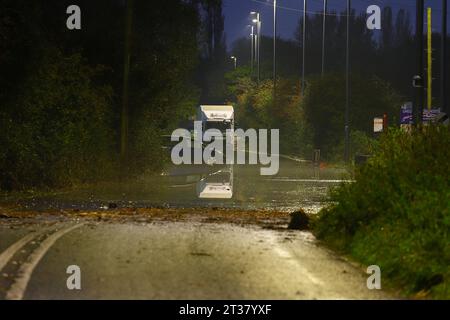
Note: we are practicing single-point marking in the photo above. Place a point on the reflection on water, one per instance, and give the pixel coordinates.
(317, 172)
(217, 185)
(297, 185)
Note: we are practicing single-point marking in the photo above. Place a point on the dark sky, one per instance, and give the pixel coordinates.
(237, 13)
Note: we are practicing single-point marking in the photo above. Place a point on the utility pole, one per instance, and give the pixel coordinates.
(252, 54)
(444, 58)
(418, 78)
(304, 47)
(325, 8)
(429, 59)
(124, 139)
(274, 49)
(257, 21)
(258, 47)
(347, 91)
(234, 62)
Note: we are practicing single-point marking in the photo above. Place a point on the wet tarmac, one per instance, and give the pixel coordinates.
(195, 256)
(297, 185)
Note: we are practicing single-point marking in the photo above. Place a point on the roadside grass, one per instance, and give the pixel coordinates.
(397, 213)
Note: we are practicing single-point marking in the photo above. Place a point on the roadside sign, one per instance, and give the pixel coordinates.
(406, 116)
(378, 125)
(431, 116)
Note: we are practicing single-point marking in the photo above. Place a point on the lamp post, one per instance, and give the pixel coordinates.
(325, 7)
(347, 89)
(304, 47)
(257, 21)
(274, 49)
(252, 52)
(235, 61)
(444, 58)
(418, 78)
(125, 112)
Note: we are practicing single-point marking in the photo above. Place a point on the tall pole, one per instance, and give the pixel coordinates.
(429, 59)
(252, 51)
(257, 21)
(444, 58)
(325, 7)
(419, 87)
(124, 130)
(347, 103)
(235, 61)
(304, 47)
(274, 49)
(258, 56)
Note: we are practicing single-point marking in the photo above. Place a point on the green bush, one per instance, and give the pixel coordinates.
(397, 214)
(324, 108)
(255, 108)
(57, 131)
(360, 144)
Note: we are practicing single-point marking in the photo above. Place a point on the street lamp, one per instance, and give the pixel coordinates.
(418, 78)
(235, 61)
(325, 7)
(304, 47)
(252, 52)
(274, 48)
(347, 94)
(257, 22)
(444, 58)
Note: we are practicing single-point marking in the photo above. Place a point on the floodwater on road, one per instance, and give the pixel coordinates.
(180, 256)
(297, 185)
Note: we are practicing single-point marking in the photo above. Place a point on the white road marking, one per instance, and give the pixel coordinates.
(11, 251)
(311, 180)
(17, 290)
(283, 253)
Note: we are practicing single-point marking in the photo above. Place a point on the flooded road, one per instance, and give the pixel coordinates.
(298, 184)
(124, 253)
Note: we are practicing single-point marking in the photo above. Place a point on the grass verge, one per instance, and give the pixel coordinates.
(397, 213)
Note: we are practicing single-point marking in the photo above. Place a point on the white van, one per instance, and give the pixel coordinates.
(219, 117)
(218, 185)
(216, 117)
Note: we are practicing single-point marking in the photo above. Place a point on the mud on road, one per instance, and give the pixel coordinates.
(266, 219)
(163, 253)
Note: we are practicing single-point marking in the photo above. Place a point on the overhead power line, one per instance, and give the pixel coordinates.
(335, 11)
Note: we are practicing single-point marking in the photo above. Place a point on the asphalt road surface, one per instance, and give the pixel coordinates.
(163, 260)
(190, 259)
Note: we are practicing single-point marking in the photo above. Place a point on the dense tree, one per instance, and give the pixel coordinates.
(61, 91)
(388, 54)
(324, 107)
(380, 81)
(213, 56)
(255, 109)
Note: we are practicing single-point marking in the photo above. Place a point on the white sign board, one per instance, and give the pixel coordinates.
(378, 125)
